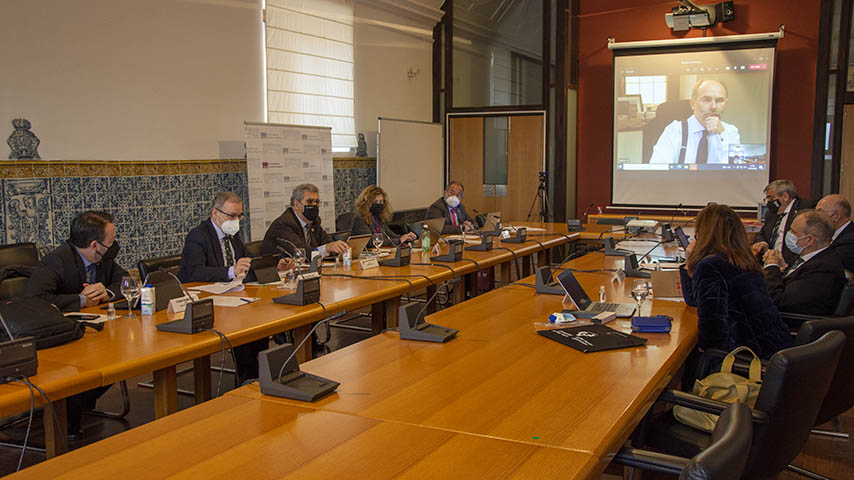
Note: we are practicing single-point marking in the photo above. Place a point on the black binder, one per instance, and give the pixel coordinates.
(592, 338)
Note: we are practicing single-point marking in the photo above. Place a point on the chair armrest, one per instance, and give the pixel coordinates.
(652, 461)
(707, 405)
(796, 319)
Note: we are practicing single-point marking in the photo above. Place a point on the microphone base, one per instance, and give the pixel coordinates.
(544, 284)
(421, 330)
(295, 384)
(638, 273)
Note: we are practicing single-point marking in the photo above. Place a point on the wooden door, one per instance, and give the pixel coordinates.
(524, 161)
(846, 167)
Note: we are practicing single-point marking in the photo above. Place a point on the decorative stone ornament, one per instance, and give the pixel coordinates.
(23, 142)
(362, 149)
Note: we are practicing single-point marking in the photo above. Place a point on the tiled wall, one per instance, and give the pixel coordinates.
(155, 204)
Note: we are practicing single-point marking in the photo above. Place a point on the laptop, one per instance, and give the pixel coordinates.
(165, 288)
(576, 293)
(357, 244)
(491, 222)
(435, 225)
(265, 268)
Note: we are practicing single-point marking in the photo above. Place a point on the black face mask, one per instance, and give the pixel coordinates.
(377, 209)
(310, 212)
(111, 252)
(774, 205)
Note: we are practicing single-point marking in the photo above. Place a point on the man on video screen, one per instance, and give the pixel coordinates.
(703, 138)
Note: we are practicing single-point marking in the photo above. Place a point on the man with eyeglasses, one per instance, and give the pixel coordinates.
(838, 210)
(299, 227)
(213, 252)
(81, 272)
(450, 206)
(814, 280)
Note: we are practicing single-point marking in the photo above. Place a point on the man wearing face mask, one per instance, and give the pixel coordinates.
(213, 252)
(813, 282)
(783, 203)
(450, 206)
(838, 210)
(299, 227)
(81, 272)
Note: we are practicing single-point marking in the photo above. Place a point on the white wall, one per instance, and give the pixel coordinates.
(387, 44)
(131, 79)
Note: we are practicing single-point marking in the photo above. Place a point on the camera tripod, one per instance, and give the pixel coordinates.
(542, 195)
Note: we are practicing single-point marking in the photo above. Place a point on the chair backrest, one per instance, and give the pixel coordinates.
(344, 221)
(727, 452)
(149, 265)
(845, 305)
(341, 235)
(19, 254)
(13, 287)
(254, 248)
(840, 395)
(793, 388)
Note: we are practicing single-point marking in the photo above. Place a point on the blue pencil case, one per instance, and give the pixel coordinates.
(652, 324)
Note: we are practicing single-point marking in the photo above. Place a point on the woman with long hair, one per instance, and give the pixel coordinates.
(724, 280)
(372, 213)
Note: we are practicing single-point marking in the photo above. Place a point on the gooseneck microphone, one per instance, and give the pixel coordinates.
(167, 272)
(486, 219)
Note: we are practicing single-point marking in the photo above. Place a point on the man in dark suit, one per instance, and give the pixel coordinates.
(450, 206)
(81, 272)
(838, 209)
(213, 252)
(299, 227)
(813, 282)
(783, 202)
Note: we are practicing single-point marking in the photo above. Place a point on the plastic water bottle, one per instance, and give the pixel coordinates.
(347, 258)
(111, 311)
(148, 300)
(425, 239)
(602, 297)
(314, 253)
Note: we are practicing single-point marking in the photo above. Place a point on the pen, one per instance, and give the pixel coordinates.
(247, 300)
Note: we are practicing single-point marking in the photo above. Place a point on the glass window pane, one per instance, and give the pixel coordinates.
(497, 57)
(495, 150)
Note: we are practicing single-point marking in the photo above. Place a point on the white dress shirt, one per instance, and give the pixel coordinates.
(223, 245)
(666, 150)
(781, 233)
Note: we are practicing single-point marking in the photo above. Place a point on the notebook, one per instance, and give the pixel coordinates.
(592, 338)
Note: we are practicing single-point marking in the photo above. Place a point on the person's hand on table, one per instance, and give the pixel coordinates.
(241, 267)
(337, 246)
(285, 264)
(468, 226)
(408, 237)
(95, 293)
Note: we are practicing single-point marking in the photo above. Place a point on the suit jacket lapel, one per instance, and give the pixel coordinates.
(215, 246)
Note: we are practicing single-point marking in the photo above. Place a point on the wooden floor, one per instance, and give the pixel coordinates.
(831, 457)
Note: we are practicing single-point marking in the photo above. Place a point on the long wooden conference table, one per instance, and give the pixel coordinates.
(497, 400)
(132, 346)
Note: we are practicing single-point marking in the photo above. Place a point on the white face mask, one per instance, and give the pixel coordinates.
(453, 201)
(230, 227)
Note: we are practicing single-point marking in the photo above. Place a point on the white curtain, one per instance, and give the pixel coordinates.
(310, 66)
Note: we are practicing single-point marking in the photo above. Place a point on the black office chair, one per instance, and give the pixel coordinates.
(793, 388)
(17, 262)
(723, 459)
(342, 235)
(343, 221)
(844, 308)
(148, 265)
(254, 248)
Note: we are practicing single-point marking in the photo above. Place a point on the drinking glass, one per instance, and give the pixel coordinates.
(640, 289)
(377, 241)
(129, 290)
(299, 257)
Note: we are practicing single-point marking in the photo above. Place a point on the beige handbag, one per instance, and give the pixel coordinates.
(724, 386)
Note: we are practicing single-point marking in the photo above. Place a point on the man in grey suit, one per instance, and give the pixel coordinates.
(450, 206)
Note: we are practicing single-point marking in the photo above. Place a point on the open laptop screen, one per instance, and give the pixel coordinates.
(572, 288)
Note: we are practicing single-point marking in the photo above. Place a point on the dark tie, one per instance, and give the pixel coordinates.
(775, 232)
(307, 237)
(91, 273)
(229, 255)
(797, 263)
(703, 149)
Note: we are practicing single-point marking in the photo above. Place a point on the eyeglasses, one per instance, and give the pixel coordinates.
(311, 201)
(231, 216)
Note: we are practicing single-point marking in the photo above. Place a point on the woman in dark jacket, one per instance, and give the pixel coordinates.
(372, 213)
(723, 279)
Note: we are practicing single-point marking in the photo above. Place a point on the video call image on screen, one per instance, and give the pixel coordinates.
(692, 127)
